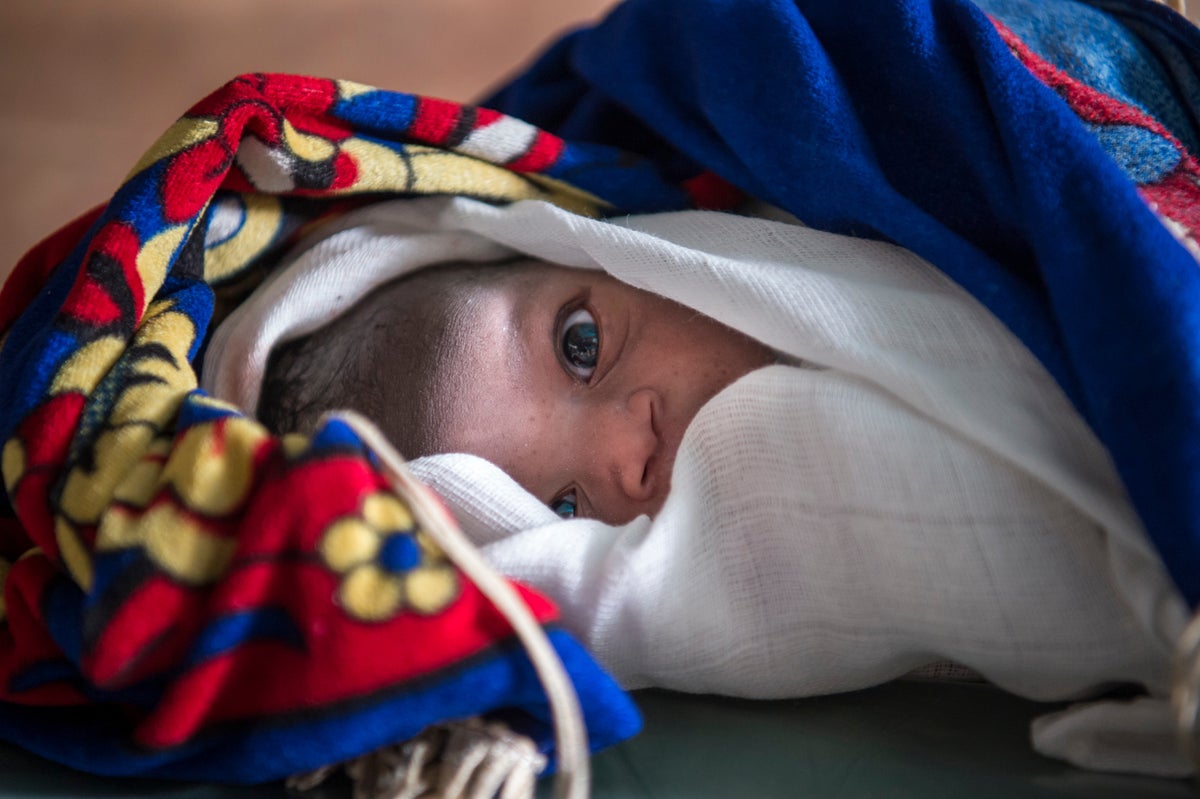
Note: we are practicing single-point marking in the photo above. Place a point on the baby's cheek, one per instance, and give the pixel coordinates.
(737, 358)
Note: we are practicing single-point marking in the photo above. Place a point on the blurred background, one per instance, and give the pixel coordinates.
(87, 87)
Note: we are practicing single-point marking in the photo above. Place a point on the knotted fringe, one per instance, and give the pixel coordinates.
(471, 759)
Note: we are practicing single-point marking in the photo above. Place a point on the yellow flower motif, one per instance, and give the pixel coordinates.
(12, 462)
(261, 221)
(154, 258)
(172, 539)
(211, 467)
(307, 146)
(87, 492)
(432, 170)
(386, 564)
(183, 134)
(87, 365)
(4, 569)
(294, 445)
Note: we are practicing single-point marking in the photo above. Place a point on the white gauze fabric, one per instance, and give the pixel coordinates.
(925, 493)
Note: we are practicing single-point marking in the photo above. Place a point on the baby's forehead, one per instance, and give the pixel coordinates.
(502, 308)
(497, 310)
(529, 270)
(520, 282)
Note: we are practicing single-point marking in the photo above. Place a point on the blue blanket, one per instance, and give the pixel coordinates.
(1023, 166)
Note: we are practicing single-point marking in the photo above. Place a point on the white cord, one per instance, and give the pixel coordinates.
(572, 780)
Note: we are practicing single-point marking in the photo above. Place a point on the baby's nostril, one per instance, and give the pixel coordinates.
(648, 473)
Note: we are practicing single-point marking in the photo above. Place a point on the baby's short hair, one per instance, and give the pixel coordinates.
(388, 357)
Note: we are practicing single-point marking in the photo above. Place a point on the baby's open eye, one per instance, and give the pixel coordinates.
(565, 504)
(580, 343)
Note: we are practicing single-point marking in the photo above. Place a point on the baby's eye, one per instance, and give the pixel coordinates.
(580, 343)
(564, 504)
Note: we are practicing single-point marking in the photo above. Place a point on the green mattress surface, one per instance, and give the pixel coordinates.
(906, 739)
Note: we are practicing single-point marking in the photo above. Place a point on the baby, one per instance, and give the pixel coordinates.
(925, 493)
(578, 386)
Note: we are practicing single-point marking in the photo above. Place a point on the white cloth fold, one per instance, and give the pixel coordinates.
(1135, 736)
(927, 494)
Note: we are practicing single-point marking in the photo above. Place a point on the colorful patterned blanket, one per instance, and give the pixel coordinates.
(188, 596)
(185, 595)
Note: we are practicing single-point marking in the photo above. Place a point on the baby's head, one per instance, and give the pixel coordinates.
(578, 386)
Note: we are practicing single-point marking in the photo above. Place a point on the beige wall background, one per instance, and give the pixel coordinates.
(88, 86)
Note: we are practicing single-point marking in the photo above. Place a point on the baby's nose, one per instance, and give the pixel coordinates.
(630, 442)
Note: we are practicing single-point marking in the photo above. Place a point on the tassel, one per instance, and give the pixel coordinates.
(471, 759)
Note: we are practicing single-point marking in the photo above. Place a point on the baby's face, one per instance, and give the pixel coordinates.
(580, 387)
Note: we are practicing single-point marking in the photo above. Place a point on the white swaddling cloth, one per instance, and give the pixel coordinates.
(926, 493)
